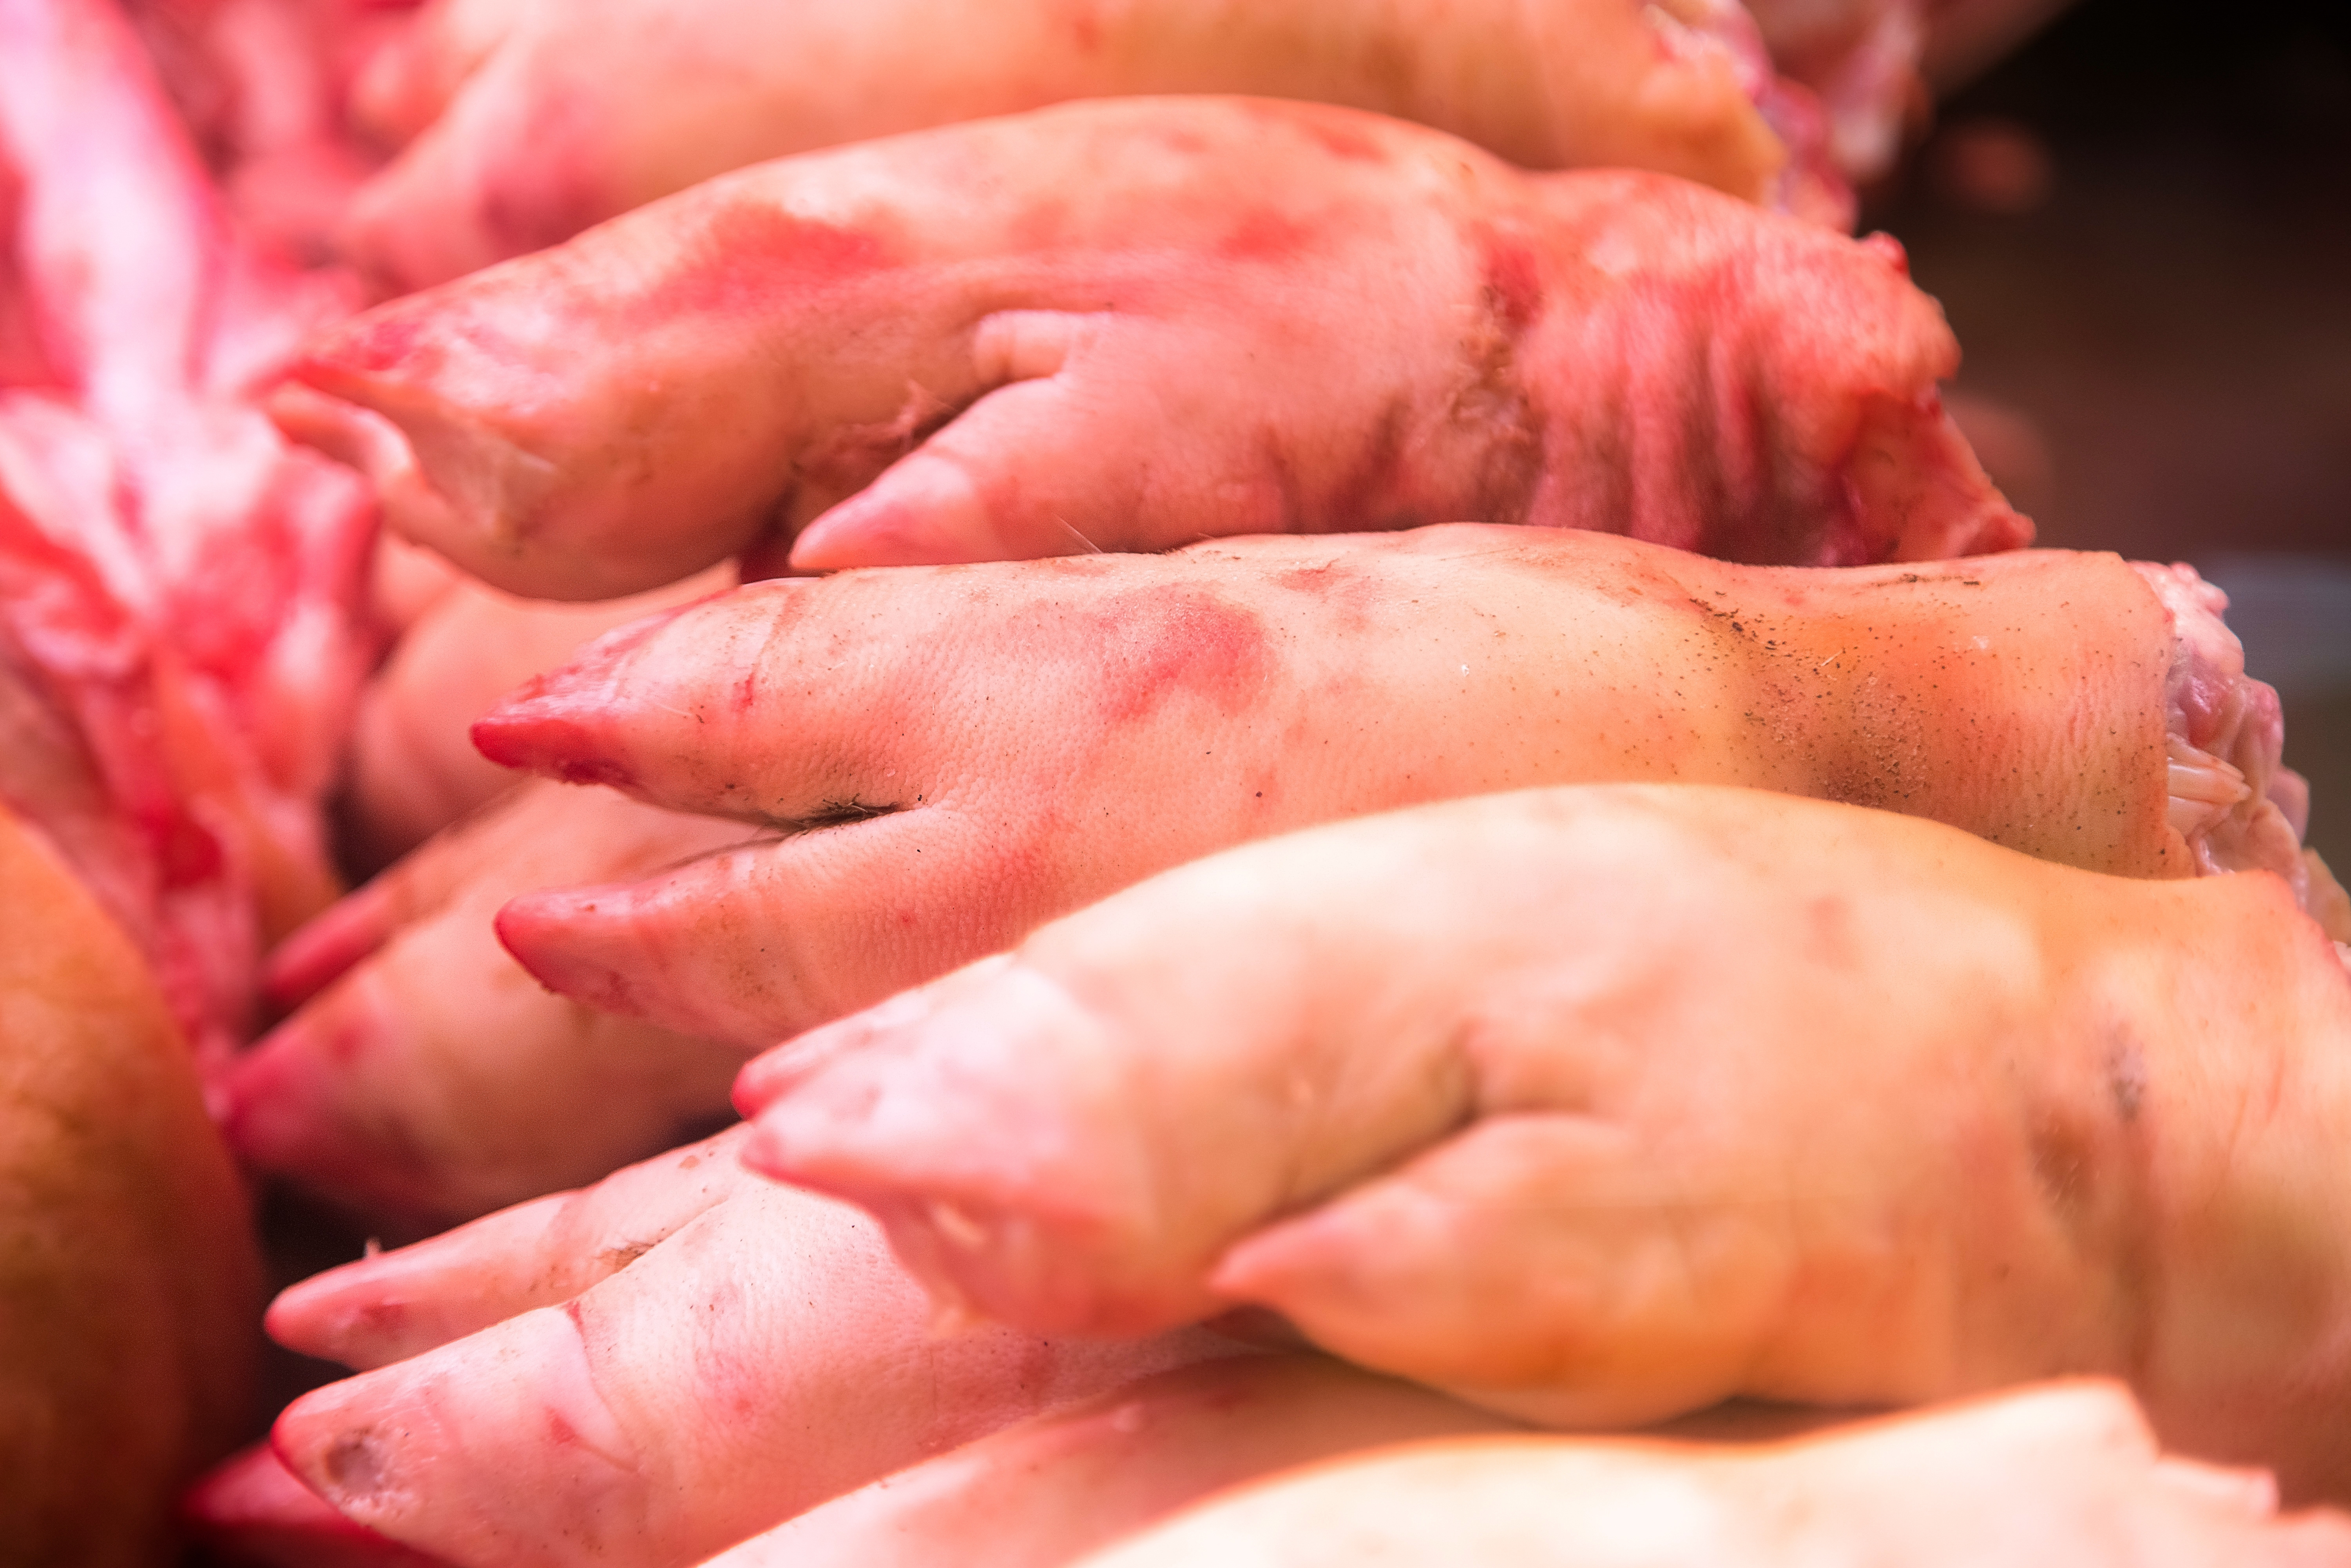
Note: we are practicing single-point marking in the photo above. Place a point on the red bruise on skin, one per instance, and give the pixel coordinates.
(1513, 281)
(188, 854)
(388, 338)
(351, 1038)
(1181, 642)
(1264, 235)
(750, 259)
(1344, 141)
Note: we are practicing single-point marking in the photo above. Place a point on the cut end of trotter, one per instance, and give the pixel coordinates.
(2232, 800)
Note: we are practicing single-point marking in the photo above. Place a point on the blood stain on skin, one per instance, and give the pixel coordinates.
(560, 1432)
(1889, 250)
(1513, 281)
(750, 259)
(553, 747)
(1264, 235)
(393, 338)
(1340, 139)
(1162, 643)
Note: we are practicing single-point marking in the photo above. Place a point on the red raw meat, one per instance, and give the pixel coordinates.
(262, 86)
(178, 587)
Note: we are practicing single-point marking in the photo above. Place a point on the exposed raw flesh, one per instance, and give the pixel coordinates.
(262, 86)
(2230, 799)
(1595, 1106)
(178, 587)
(984, 747)
(534, 119)
(1043, 1493)
(1263, 318)
(2066, 1477)
(648, 1372)
(128, 1279)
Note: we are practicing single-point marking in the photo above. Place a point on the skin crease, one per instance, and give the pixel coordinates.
(524, 122)
(957, 755)
(979, 369)
(1596, 1105)
(648, 1371)
(2064, 1477)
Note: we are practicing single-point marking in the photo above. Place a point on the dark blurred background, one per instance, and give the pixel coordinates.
(2141, 226)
